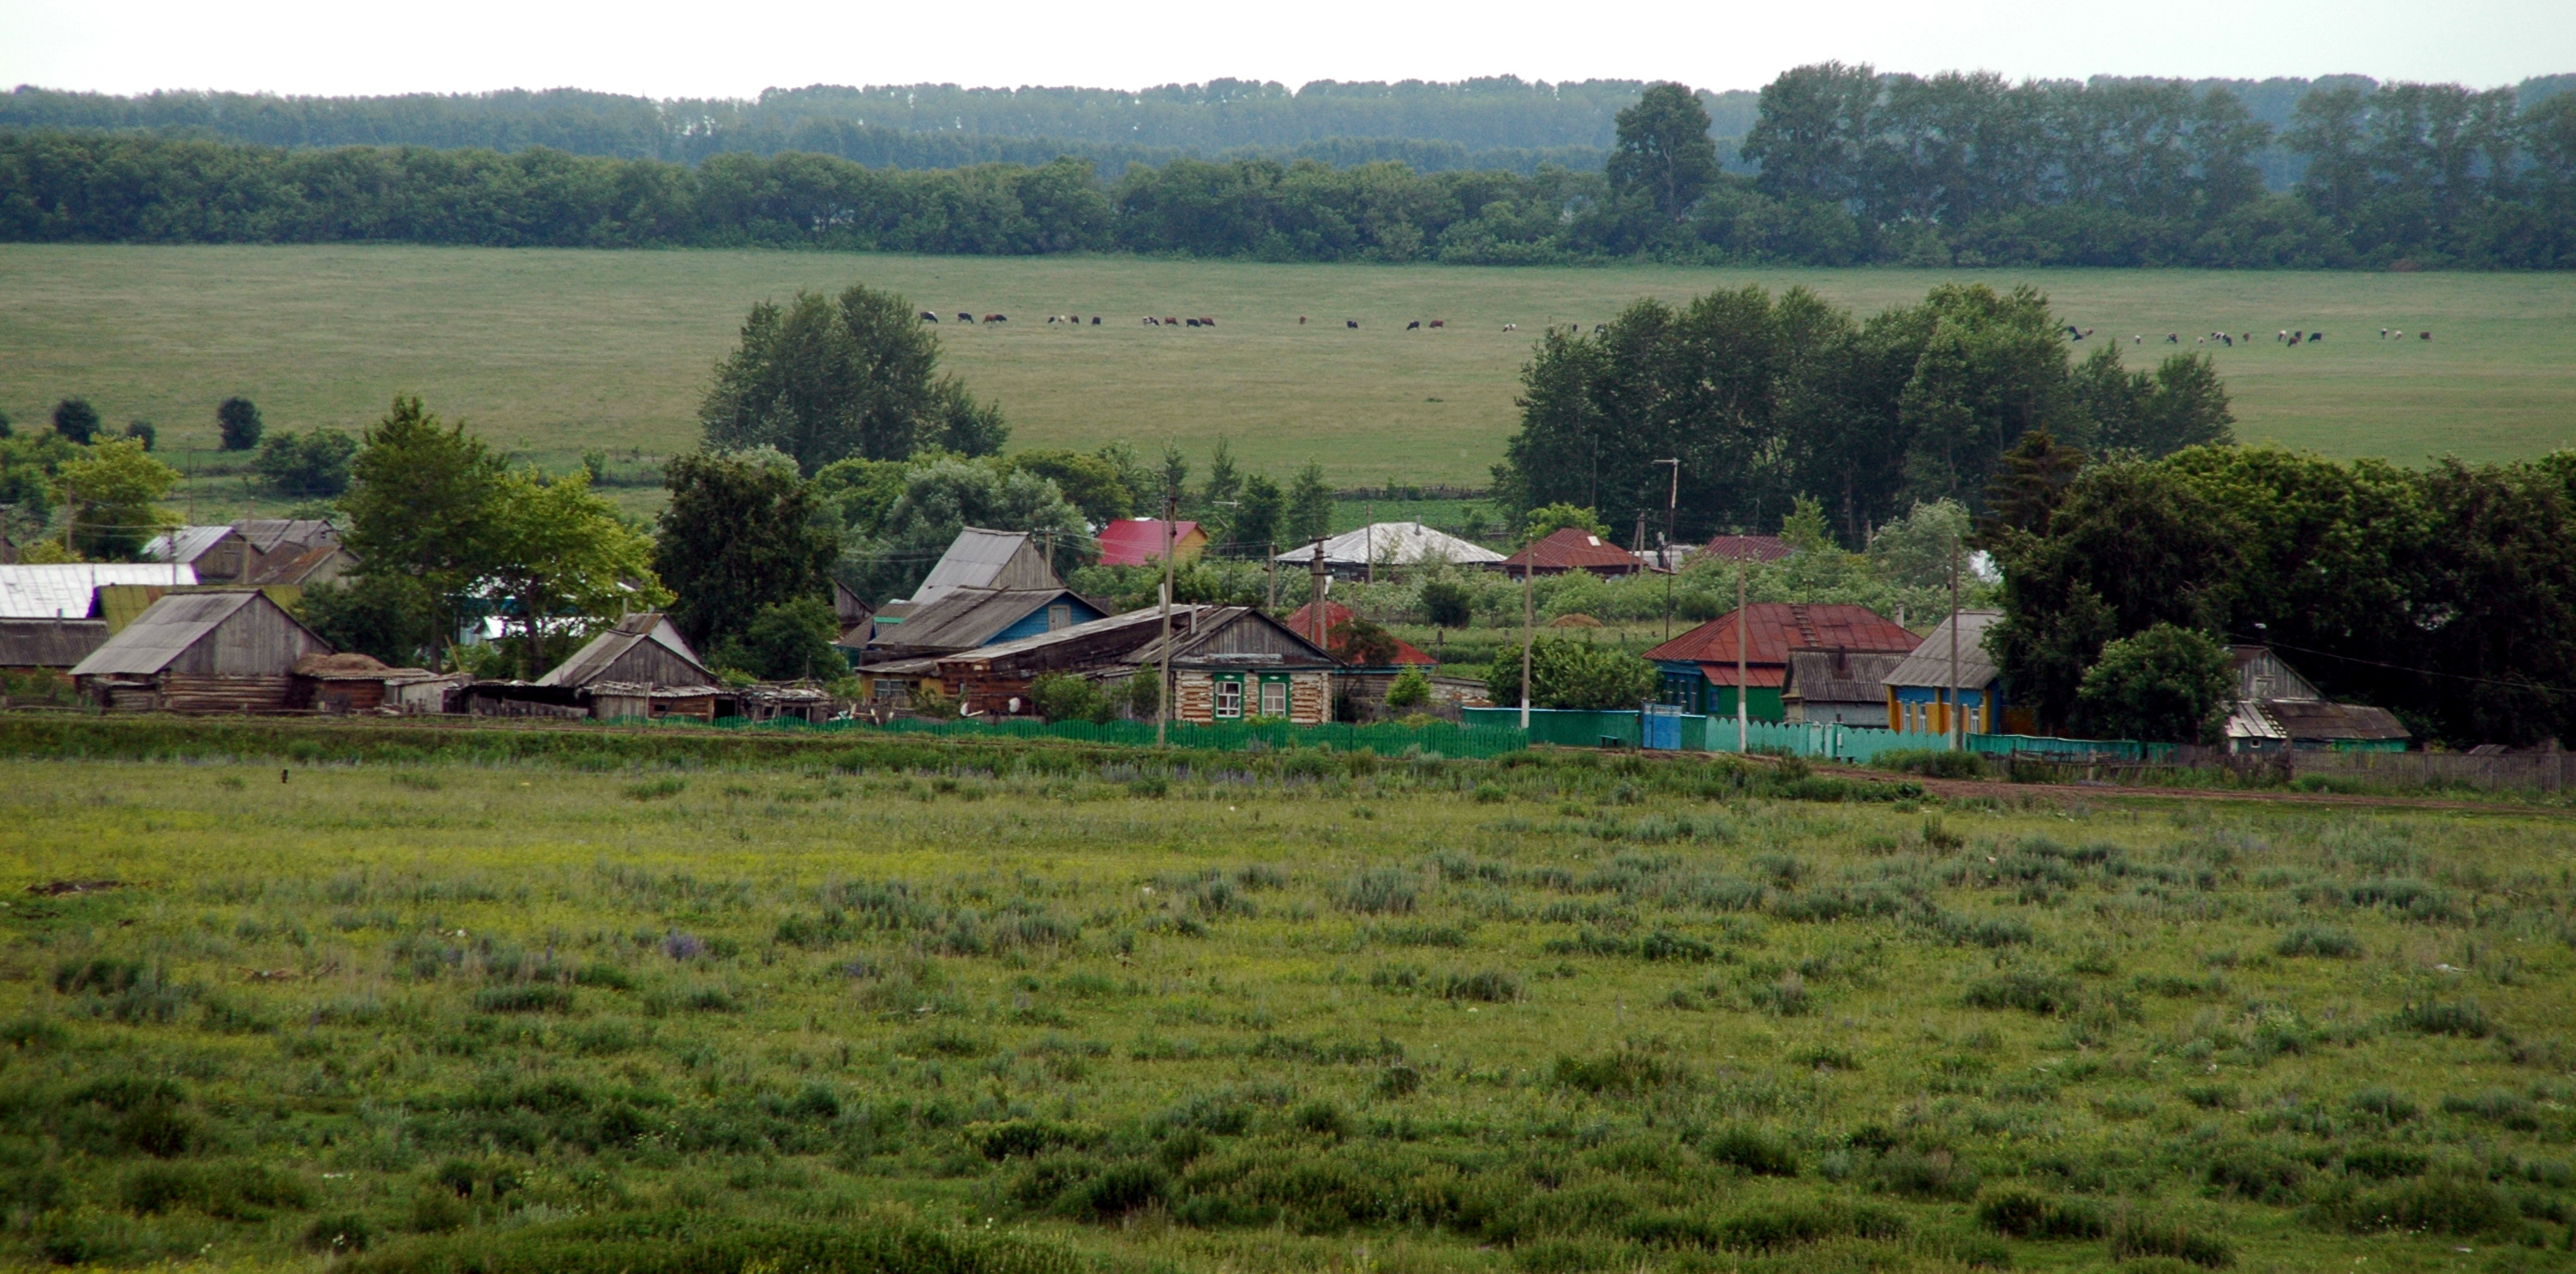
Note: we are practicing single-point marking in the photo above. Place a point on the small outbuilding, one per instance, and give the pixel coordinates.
(2278, 710)
(1837, 686)
(223, 651)
(350, 683)
(48, 645)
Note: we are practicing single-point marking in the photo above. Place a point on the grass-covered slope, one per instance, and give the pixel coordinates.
(1037, 1009)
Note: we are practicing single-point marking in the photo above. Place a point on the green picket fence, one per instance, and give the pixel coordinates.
(1384, 738)
(2069, 749)
(1858, 744)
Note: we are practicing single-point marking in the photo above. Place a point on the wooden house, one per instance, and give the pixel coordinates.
(2278, 710)
(229, 651)
(1363, 681)
(320, 564)
(641, 667)
(979, 558)
(1571, 549)
(1699, 667)
(965, 618)
(237, 554)
(995, 679)
(1233, 663)
(1919, 689)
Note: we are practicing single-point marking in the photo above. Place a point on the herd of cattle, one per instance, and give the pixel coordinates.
(2286, 336)
(1076, 320)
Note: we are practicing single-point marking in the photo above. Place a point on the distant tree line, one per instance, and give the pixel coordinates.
(1854, 167)
(918, 125)
(1767, 399)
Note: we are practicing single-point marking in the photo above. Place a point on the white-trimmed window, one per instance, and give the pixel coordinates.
(1274, 698)
(1229, 698)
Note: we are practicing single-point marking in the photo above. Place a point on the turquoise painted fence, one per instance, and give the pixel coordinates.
(1384, 739)
(1858, 744)
(2069, 749)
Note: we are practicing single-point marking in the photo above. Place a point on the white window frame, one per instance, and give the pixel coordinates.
(1283, 695)
(1224, 684)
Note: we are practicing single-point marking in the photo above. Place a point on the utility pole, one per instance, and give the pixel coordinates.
(1368, 536)
(1163, 718)
(1957, 728)
(1270, 553)
(1743, 639)
(1664, 553)
(1315, 589)
(1529, 619)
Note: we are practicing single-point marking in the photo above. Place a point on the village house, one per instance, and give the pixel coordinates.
(995, 679)
(1571, 549)
(216, 651)
(1748, 548)
(1918, 697)
(2278, 710)
(1233, 663)
(990, 586)
(1138, 541)
(236, 554)
(48, 645)
(1699, 667)
(1363, 682)
(640, 668)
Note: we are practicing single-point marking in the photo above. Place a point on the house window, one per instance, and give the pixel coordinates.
(1059, 615)
(1229, 698)
(1274, 698)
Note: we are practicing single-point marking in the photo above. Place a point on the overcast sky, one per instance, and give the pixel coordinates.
(671, 49)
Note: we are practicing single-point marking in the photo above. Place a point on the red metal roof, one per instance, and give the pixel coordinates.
(1301, 622)
(1755, 548)
(1573, 549)
(1773, 629)
(1758, 676)
(1136, 541)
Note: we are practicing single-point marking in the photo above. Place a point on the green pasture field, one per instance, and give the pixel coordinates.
(557, 352)
(518, 1000)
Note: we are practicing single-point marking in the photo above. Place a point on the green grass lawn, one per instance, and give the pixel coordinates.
(558, 352)
(1295, 1012)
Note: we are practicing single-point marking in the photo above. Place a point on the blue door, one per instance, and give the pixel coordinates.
(1661, 727)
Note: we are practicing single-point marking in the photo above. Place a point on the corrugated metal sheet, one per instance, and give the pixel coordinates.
(266, 534)
(1235, 635)
(1930, 663)
(1571, 549)
(963, 619)
(1842, 676)
(1402, 543)
(65, 591)
(194, 543)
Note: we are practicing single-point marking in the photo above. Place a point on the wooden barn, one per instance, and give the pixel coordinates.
(1233, 663)
(995, 679)
(353, 683)
(201, 652)
(48, 645)
(641, 667)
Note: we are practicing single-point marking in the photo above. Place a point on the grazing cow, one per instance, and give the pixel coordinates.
(1301, 320)
(928, 317)
(1415, 325)
(1151, 321)
(964, 317)
(1205, 321)
(1353, 324)
(1055, 318)
(2173, 338)
(2231, 341)
(2316, 336)
(1191, 322)
(1095, 320)
(2424, 336)
(1440, 322)
(996, 318)
(1511, 327)
(1169, 321)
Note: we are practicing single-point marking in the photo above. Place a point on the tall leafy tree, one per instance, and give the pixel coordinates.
(1091, 481)
(76, 420)
(821, 379)
(2182, 404)
(1256, 529)
(419, 510)
(562, 560)
(111, 498)
(1310, 506)
(738, 535)
(2168, 684)
(1663, 151)
(942, 498)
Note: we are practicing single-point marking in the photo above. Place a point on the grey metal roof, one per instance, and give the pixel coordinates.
(1088, 628)
(164, 631)
(1209, 623)
(965, 618)
(65, 591)
(607, 648)
(49, 643)
(194, 542)
(1861, 677)
(265, 534)
(976, 559)
(1403, 543)
(1929, 665)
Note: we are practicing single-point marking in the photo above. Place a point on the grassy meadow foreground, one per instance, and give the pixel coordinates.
(1049, 1008)
(558, 352)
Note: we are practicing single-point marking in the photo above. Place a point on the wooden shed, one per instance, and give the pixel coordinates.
(355, 683)
(55, 645)
(641, 668)
(230, 651)
(995, 679)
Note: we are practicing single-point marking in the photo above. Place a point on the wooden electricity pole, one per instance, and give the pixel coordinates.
(1956, 730)
(1529, 613)
(1163, 718)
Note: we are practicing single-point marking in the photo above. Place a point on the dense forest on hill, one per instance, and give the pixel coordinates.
(1848, 166)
